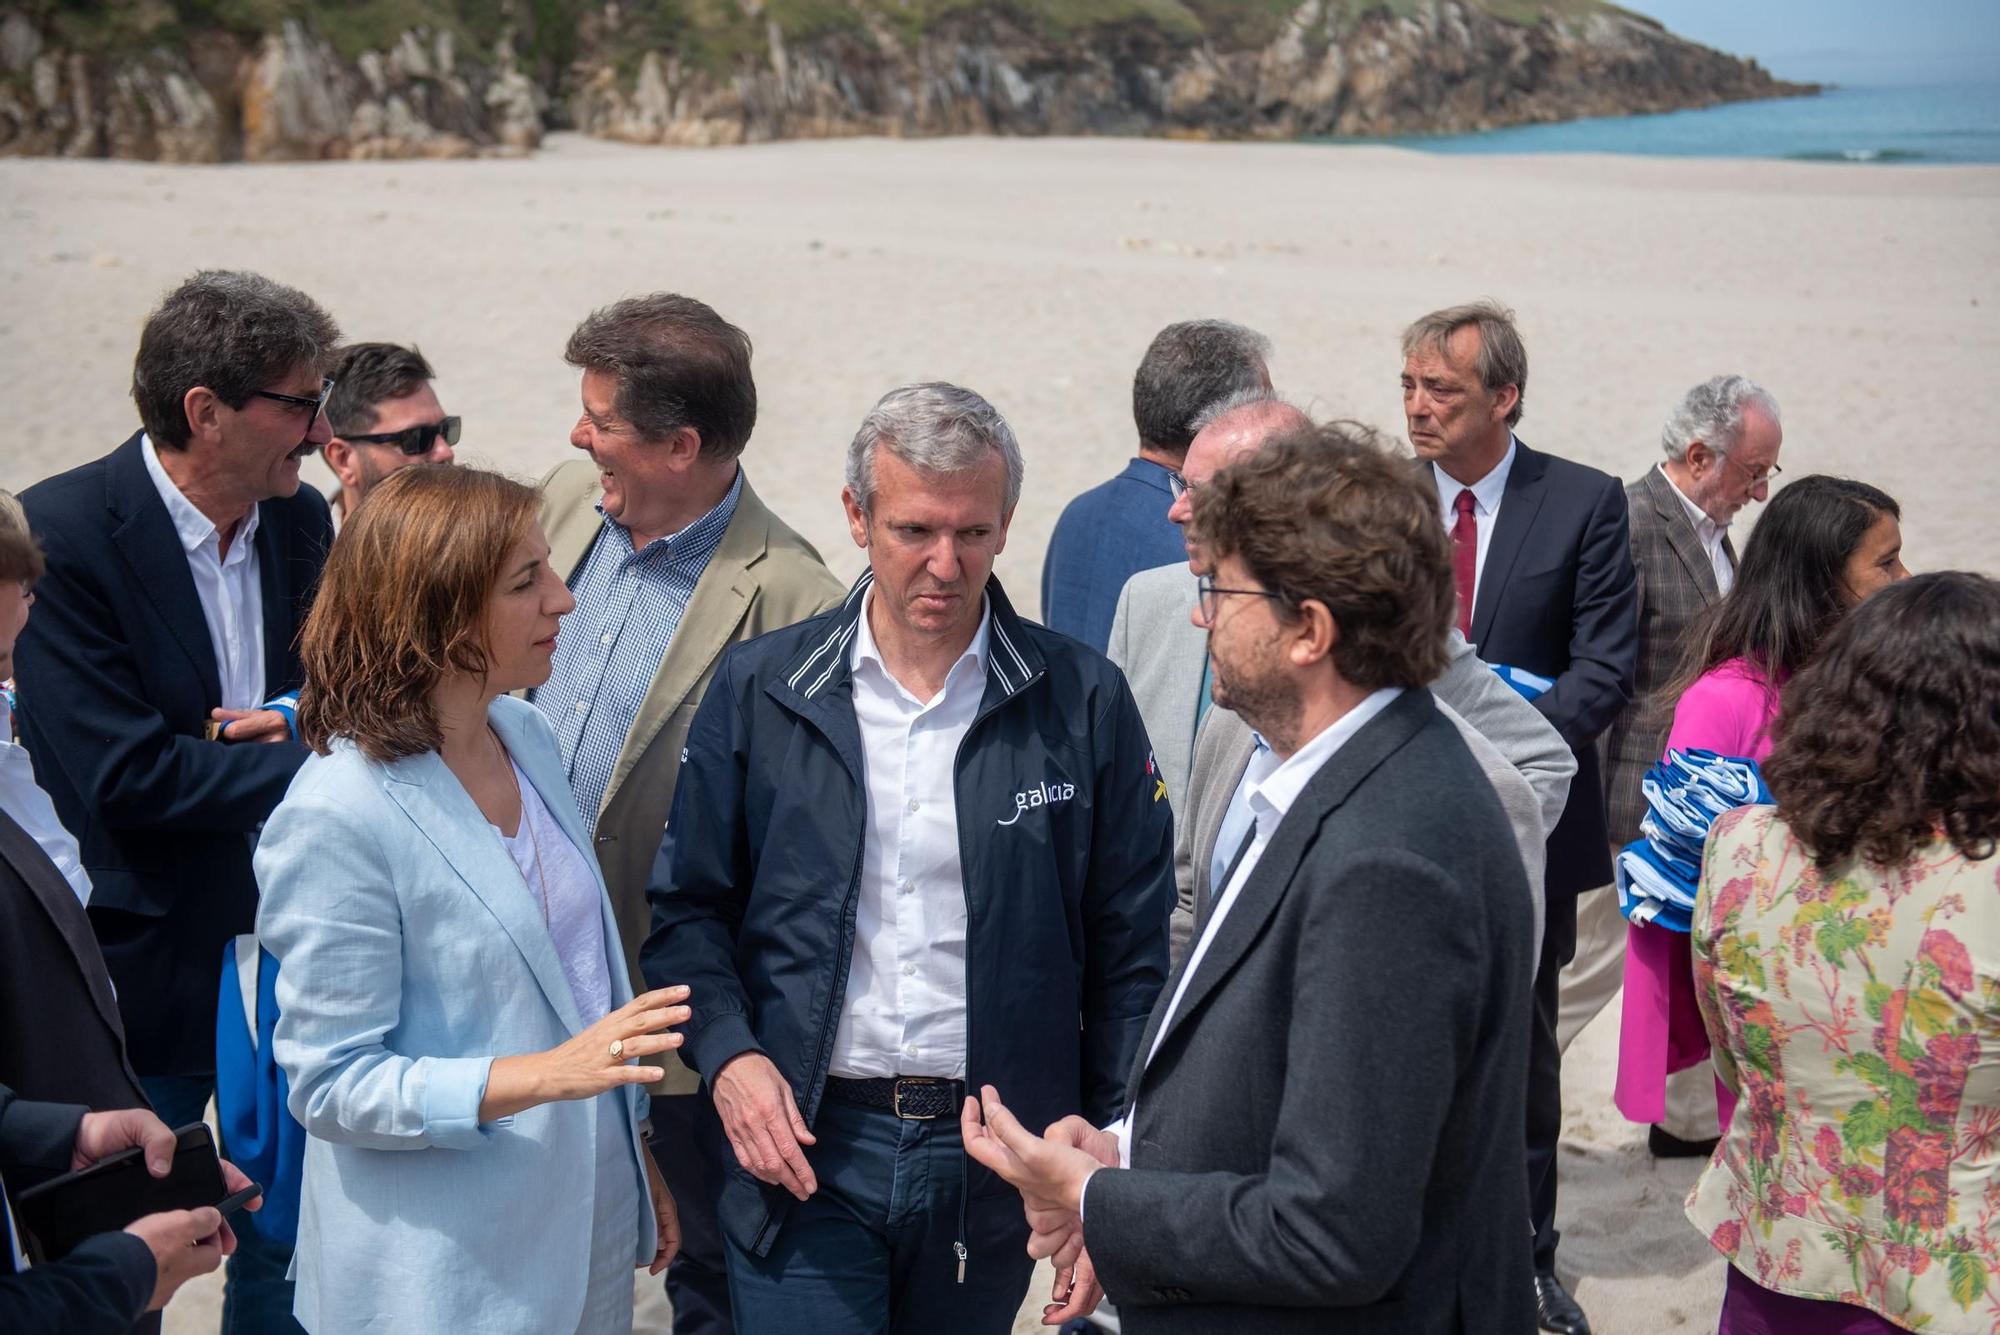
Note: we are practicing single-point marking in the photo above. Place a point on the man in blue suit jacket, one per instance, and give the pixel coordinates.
(180, 566)
(1118, 528)
(1543, 563)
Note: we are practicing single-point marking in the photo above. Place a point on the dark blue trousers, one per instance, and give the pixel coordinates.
(698, 1279)
(256, 1296)
(871, 1251)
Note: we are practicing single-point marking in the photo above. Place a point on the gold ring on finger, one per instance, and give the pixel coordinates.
(618, 1049)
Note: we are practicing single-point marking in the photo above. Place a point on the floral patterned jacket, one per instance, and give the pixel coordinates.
(1857, 1014)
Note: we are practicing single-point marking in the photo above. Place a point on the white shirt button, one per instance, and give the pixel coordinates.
(914, 804)
(906, 887)
(604, 639)
(582, 707)
(909, 971)
(909, 1049)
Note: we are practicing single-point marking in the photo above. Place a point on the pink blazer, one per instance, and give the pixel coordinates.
(1729, 710)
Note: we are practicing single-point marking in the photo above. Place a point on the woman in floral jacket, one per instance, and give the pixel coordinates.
(1847, 964)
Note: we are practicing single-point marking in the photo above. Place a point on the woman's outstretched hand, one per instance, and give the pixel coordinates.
(598, 1059)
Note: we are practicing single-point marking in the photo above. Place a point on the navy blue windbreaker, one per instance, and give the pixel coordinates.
(755, 888)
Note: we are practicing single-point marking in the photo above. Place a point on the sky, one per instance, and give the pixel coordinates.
(1858, 42)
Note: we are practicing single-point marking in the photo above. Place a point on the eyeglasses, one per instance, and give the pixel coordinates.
(317, 405)
(1178, 485)
(413, 440)
(1211, 597)
(1755, 479)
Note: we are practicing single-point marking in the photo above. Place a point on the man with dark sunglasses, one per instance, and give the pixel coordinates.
(384, 416)
(179, 568)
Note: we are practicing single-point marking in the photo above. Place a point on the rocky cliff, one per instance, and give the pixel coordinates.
(481, 80)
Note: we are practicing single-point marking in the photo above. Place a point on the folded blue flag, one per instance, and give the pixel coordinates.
(1528, 684)
(1659, 873)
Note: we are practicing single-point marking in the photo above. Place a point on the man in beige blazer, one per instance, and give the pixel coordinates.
(672, 559)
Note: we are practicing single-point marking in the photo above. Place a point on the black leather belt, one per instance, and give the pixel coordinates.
(914, 1098)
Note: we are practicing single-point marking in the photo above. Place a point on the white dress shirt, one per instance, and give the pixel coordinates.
(1269, 786)
(1711, 535)
(229, 587)
(905, 1008)
(1487, 494)
(23, 799)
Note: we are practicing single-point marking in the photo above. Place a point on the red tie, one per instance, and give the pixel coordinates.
(1465, 558)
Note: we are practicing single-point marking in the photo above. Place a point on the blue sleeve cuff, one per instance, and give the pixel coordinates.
(287, 705)
(453, 1092)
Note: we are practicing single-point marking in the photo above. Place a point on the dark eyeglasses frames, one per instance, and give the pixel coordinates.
(1178, 485)
(317, 405)
(1211, 597)
(413, 441)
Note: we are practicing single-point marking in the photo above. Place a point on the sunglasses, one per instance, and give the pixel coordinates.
(412, 440)
(317, 405)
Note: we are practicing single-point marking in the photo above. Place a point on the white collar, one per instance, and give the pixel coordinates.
(1487, 491)
(1705, 526)
(867, 651)
(193, 527)
(1273, 791)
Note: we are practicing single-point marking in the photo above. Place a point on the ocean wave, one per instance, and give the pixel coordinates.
(1859, 155)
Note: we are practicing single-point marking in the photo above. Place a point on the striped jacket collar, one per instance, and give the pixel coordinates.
(821, 668)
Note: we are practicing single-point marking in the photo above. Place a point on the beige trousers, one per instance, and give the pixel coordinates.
(1593, 978)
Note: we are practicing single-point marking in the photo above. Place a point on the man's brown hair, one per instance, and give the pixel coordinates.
(403, 604)
(1329, 516)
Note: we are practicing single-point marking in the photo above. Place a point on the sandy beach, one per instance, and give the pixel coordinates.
(1036, 271)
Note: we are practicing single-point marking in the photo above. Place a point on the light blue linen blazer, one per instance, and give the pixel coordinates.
(411, 954)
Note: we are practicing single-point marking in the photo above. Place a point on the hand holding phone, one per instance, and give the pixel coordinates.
(123, 1188)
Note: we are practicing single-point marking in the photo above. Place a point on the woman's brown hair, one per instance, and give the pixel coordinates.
(1892, 733)
(403, 603)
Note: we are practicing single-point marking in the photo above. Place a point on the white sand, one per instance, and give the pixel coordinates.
(1036, 272)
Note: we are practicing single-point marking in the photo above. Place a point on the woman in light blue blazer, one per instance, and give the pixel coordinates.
(455, 1017)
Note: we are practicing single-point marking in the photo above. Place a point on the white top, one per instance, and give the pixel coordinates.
(231, 593)
(1711, 535)
(1270, 786)
(905, 1007)
(23, 799)
(566, 891)
(1486, 496)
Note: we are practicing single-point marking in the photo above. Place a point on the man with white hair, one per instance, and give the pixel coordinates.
(984, 898)
(1721, 442)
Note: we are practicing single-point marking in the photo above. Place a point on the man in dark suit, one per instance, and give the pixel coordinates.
(1323, 1125)
(180, 566)
(1722, 443)
(1543, 567)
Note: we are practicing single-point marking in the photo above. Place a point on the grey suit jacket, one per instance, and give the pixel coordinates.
(1676, 585)
(1521, 754)
(1329, 1135)
(763, 576)
(1162, 654)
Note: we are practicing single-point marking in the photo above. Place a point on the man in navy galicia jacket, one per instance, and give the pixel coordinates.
(918, 844)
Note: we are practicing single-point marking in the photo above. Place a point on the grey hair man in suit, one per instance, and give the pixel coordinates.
(1721, 442)
(672, 558)
(1165, 656)
(1324, 1120)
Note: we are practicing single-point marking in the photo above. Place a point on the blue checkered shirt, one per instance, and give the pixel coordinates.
(628, 605)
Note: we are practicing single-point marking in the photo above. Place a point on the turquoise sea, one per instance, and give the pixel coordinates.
(1863, 125)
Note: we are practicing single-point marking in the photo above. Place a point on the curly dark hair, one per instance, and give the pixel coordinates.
(1892, 734)
(1327, 514)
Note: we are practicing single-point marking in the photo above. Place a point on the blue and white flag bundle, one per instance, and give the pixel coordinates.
(1659, 872)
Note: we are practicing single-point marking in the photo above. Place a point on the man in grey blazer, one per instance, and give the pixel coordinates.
(1165, 657)
(1324, 1121)
(1722, 443)
(1163, 654)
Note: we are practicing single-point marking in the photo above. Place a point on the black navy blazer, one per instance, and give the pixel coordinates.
(61, 1040)
(1329, 1137)
(1560, 598)
(117, 676)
